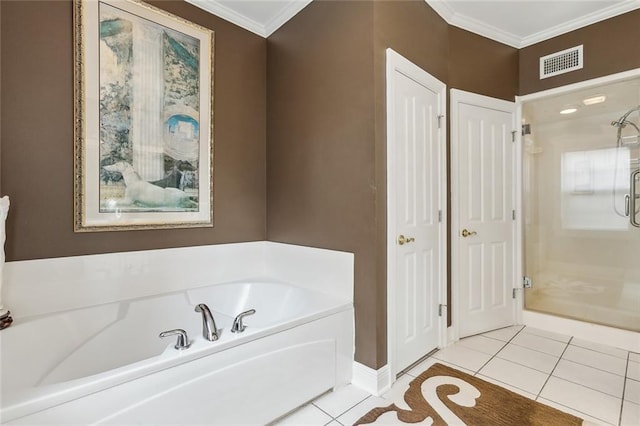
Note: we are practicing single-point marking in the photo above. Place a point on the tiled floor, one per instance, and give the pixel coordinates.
(598, 383)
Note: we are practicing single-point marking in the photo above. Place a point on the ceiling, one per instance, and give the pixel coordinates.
(620, 97)
(517, 23)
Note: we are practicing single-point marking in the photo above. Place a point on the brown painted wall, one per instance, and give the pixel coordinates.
(326, 155)
(414, 30)
(480, 65)
(320, 154)
(610, 47)
(37, 136)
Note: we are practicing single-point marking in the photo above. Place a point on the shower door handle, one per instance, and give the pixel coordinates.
(632, 199)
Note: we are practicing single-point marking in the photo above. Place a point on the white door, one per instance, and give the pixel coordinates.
(483, 232)
(415, 233)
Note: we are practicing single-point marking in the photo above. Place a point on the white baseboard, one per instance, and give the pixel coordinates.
(376, 382)
(623, 339)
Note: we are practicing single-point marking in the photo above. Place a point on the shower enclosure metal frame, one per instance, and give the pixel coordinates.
(632, 196)
(617, 337)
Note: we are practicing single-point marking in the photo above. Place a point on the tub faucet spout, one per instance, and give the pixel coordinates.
(209, 329)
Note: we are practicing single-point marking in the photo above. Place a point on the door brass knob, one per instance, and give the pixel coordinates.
(466, 233)
(405, 240)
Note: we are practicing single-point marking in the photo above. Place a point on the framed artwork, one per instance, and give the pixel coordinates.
(143, 118)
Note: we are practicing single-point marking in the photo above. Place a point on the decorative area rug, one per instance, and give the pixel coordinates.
(444, 396)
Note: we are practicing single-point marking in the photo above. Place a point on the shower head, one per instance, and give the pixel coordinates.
(618, 123)
(624, 124)
(621, 123)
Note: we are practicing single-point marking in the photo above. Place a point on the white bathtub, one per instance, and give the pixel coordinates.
(106, 364)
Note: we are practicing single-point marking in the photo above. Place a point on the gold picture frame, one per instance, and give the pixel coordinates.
(143, 83)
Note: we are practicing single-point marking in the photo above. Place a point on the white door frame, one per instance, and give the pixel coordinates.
(396, 62)
(457, 97)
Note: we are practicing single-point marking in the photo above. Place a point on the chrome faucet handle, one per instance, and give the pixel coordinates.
(183, 340)
(238, 326)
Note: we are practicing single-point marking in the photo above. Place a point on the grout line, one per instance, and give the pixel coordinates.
(500, 340)
(547, 337)
(597, 368)
(530, 349)
(494, 355)
(451, 364)
(484, 377)
(541, 337)
(624, 389)
(573, 409)
(594, 368)
(603, 353)
(589, 387)
(524, 365)
(554, 367)
(518, 332)
(491, 331)
(536, 350)
(489, 337)
(333, 418)
(582, 384)
(486, 352)
(490, 359)
(349, 409)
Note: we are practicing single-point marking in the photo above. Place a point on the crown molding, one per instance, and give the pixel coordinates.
(228, 14)
(261, 29)
(591, 18)
(482, 28)
(442, 8)
(286, 13)
(446, 9)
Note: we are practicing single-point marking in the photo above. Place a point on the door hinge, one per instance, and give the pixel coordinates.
(513, 293)
(527, 282)
(440, 306)
(513, 214)
(513, 135)
(439, 215)
(440, 117)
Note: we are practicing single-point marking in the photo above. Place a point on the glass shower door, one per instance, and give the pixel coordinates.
(582, 207)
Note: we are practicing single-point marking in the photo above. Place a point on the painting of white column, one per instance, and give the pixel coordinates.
(149, 87)
(151, 121)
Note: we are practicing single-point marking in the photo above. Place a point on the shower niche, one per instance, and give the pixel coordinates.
(581, 194)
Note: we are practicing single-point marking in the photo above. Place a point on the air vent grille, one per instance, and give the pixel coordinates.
(561, 62)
